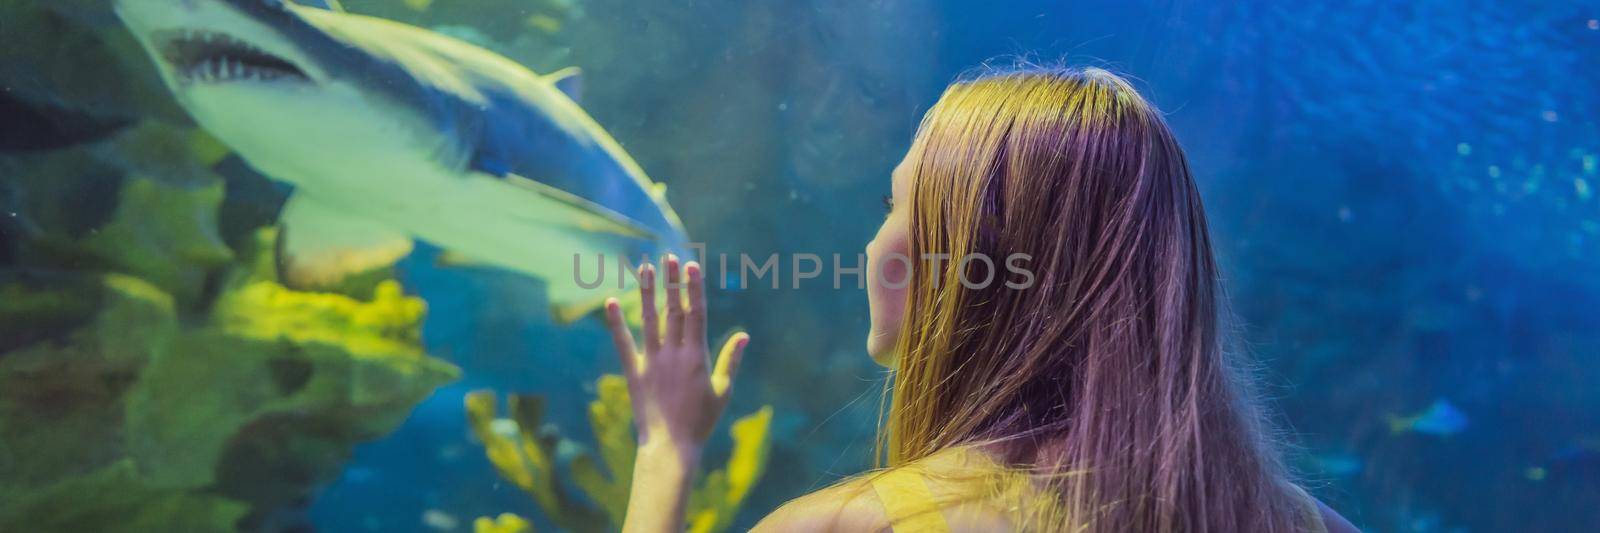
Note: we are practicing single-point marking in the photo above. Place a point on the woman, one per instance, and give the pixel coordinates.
(1086, 390)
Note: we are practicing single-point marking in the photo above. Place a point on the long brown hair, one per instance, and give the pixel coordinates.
(1106, 378)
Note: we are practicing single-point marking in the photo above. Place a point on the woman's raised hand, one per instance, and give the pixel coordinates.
(677, 393)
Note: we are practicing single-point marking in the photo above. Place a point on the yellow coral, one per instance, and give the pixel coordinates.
(712, 505)
(521, 461)
(751, 441)
(505, 523)
(390, 323)
(525, 459)
(611, 420)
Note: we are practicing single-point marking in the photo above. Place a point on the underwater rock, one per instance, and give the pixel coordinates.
(525, 454)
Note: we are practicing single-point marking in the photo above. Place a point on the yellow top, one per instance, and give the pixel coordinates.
(911, 505)
(971, 484)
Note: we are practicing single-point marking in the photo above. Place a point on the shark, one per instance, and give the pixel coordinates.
(389, 133)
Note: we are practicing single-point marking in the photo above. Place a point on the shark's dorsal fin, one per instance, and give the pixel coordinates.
(569, 81)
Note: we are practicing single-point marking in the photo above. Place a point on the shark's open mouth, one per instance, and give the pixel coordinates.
(211, 57)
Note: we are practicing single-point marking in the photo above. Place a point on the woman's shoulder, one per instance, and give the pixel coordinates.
(929, 494)
(848, 506)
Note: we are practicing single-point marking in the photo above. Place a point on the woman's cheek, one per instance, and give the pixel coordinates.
(888, 276)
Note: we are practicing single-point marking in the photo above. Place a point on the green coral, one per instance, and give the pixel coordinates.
(153, 378)
(524, 454)
(114, 499)
(37, 309)
(165, 234)
(215, 418)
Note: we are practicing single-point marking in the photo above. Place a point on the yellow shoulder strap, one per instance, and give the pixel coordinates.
(909, 503)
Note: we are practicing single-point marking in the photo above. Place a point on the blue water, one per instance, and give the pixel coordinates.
(1397, 193)
(1405, 198)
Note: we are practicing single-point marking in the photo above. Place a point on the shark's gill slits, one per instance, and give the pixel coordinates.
(211, 57)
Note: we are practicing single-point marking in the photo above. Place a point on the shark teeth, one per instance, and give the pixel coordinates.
(198, 56)
(225, 70)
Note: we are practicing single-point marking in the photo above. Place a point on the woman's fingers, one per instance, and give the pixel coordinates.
(728, 364)
(621, 337)
(647, 299)
(674, 287)
(694, 323)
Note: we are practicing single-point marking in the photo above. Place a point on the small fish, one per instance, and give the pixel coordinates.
(439, 520)
(1584, 451)
(1578, 460)
(1440, 419)
(506, 427)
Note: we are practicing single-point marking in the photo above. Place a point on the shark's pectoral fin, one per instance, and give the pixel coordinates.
(319, 245)
(543, 205)
(330, 5)
(569, 81)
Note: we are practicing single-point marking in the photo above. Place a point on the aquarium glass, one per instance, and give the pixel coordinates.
(276, 266)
